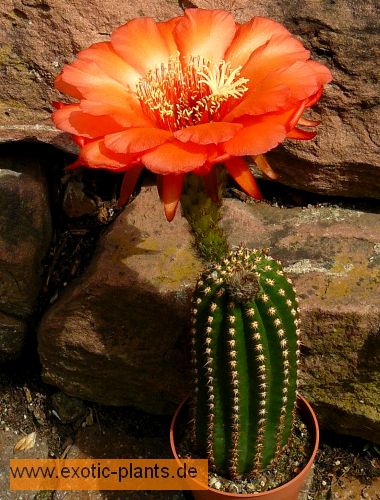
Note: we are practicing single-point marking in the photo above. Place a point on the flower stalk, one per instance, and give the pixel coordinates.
(203, 215)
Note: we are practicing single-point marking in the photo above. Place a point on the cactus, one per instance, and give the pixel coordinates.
(245, 348)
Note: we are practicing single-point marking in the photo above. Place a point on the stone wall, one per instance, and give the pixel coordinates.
(25, 232)
(117, 333)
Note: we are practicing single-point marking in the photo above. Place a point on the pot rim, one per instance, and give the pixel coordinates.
(312, 425)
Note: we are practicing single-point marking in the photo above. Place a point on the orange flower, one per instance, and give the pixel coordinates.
(186, 94)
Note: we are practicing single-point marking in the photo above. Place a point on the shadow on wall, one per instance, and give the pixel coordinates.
(117, 338)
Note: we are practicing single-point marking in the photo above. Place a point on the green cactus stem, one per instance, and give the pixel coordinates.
(245, 349)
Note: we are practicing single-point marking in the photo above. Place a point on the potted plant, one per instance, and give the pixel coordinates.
(185, 96)
(245, 355)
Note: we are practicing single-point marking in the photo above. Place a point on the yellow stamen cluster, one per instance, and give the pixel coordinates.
(179, 95)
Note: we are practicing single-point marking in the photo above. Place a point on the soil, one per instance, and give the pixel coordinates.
(344, 463)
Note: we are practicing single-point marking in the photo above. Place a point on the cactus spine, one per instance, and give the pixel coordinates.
(245, 350)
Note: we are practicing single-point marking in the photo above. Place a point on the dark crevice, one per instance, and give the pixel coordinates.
(186, 4)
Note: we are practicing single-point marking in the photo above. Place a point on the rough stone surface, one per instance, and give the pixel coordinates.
(39, 37)
(67, 409)
(75, 201)
(12, 336)
(333, 255)
(25, 231)
(116, 335)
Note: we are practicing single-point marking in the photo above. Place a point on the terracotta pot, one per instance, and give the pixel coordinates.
(288, 491)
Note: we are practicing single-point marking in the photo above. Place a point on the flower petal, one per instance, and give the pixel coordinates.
(293, 115)
(280, 51)
(215, 154)
(264, 132)
(174, 158)
(310, 101)
(171, 188)
(95, 84)
(301, 135)
(104, 56)
(259, 134)
(302, 78)
(262, 100)
(323, 73)
(130, 115)
(66, 88)
(305, 122)
(281, 89)
(135, 140)
(239, 170)
(128, 184)
(203, 169)
(250, 36)
(166, 30)
(205, 33)
(95, 154)
(72, 119)
(101, 93)
(265, 167)
(208, 133)
(140, 44)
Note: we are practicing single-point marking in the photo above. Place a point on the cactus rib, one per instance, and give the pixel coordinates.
(245, 348)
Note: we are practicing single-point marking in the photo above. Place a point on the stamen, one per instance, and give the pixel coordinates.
(221, 80)
(177, 96)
